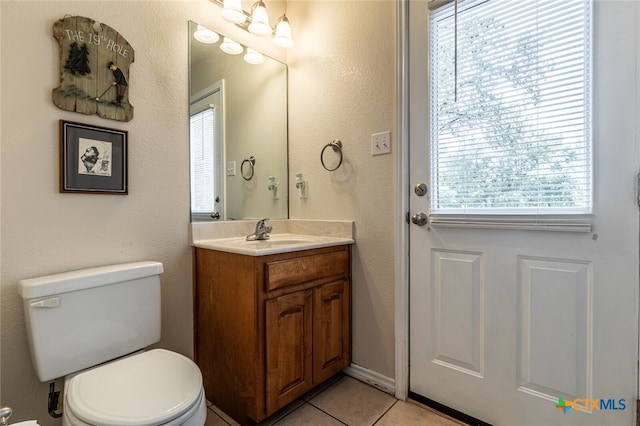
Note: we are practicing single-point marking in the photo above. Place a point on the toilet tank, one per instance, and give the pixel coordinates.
(80, 319)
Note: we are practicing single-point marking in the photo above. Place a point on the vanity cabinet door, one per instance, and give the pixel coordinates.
(289, 328)
(331, 329)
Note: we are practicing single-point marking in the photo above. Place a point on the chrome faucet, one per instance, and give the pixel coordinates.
(261, 232)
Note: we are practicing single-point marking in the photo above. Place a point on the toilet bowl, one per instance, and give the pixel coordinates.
(92, 327)
(156, 387)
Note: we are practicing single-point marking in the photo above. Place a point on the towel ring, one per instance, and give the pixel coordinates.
(336, 145)
(251, 161)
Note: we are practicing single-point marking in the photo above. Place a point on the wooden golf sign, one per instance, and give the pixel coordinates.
(94, 69)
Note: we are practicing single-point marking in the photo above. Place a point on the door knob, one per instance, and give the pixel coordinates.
(420, 219)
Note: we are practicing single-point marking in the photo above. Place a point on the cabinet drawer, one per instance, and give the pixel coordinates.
(295, 271)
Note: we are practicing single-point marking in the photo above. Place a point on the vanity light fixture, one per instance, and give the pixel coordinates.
(257, 22)
(231, 47)
(205, 35)
(282, 37)
(232, 11)
(253, 57)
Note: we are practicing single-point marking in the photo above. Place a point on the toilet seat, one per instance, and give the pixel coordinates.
(148, 389)
(196, 416)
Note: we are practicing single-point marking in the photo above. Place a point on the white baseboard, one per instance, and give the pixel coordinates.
(384, 383)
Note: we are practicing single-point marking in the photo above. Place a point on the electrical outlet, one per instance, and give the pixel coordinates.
(381, 143)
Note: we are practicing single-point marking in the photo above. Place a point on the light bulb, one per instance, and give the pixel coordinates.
(260, 20)
(231, 47)
(205, 35)
(232, 11)
(283, 33)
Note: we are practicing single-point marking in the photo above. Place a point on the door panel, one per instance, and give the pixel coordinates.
(542, 283)
(505, 322)
(457, 312)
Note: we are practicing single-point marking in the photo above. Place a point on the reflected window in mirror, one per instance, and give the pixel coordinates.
(251, 123)
(207, 197)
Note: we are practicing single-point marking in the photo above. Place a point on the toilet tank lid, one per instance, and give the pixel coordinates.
(65, 282)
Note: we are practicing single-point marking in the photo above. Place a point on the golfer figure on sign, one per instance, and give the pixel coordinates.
(120, 82)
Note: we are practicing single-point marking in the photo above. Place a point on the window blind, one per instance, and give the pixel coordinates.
(511, 107)
(202, 161)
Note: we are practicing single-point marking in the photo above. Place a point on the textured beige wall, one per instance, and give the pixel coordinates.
(342, 86)
(43, 231)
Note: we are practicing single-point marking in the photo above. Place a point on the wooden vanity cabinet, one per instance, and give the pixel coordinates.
(270, 328)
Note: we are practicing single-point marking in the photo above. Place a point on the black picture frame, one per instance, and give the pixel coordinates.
(93, 159)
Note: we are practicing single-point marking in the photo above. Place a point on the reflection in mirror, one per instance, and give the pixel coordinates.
(238, 131)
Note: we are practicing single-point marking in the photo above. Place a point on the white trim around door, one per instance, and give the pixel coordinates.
(402, 208)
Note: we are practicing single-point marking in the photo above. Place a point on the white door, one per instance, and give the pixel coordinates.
(512, 325)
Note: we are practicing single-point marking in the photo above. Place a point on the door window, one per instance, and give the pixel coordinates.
(511, 86)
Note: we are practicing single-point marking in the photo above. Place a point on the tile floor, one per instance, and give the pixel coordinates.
(345, 401)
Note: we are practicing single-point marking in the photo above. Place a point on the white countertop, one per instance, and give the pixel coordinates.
(277, 243)
(288, 235)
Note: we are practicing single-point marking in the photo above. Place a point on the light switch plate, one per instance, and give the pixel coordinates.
(231, 168)
(381, 143)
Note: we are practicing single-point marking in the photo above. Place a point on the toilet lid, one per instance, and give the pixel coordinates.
(147, 389)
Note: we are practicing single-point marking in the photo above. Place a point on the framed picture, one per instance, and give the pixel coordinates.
(92, 159)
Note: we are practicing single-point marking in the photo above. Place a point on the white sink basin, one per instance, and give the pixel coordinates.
(277, 243)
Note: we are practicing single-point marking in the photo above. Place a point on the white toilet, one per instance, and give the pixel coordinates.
(90, 326)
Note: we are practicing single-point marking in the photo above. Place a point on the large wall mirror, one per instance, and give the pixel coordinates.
(238, 132)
